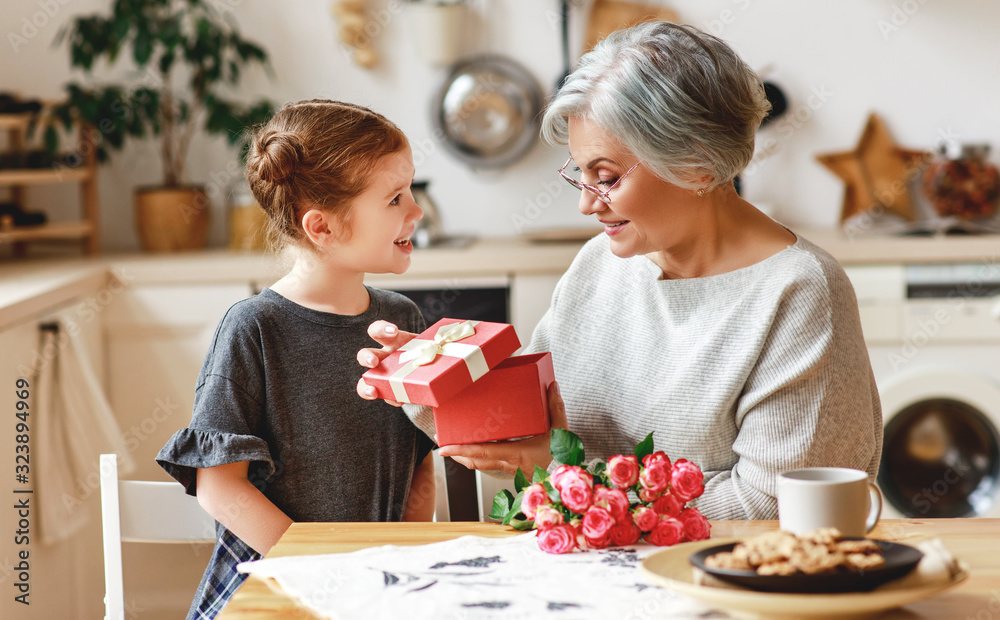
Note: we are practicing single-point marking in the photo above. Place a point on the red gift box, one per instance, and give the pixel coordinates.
(509, 401)
(442, 361)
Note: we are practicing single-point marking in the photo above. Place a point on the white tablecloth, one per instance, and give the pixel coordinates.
(474, 578)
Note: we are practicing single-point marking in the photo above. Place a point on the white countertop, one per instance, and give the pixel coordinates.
(906, 250)
(33, 286)
(488, 257)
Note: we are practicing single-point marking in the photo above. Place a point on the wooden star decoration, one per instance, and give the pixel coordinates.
(875, 173)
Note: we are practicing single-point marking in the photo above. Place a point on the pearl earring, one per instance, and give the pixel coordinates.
(701, 192)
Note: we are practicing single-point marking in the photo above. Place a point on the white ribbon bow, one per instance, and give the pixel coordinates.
(418, 353)
(428, 350)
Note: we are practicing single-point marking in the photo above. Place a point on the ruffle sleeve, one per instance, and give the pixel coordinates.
(190, 449)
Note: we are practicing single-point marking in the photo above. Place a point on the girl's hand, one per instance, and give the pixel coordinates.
(391, 338)
(507, 456)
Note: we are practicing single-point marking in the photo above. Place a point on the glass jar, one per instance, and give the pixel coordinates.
(247, 221)
(963, 184)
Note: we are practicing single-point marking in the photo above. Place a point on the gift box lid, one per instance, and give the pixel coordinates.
(442, 361)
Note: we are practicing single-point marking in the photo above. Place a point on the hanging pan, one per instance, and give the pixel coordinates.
(488, 111)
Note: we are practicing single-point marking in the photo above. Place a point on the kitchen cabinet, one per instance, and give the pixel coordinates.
(62, 579)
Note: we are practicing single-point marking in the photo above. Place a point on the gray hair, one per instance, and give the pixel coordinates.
(678, 98)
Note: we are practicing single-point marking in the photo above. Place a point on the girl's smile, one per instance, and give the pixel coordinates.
(404, 244)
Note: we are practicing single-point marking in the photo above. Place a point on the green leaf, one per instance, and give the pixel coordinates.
(166, 62)
(540, 474)
(120, 26)
(600, 468)
(566, 447)
(520, 480)
(501, 504)
(645, 447)
(522, 525)
(515, 509)
(551, 490)
(51, 139)
(142, 48)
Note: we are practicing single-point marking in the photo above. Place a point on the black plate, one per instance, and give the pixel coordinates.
(899, 560)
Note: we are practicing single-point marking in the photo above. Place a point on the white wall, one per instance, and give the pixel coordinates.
(927, 66)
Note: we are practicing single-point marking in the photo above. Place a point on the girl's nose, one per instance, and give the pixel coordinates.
(416, 213)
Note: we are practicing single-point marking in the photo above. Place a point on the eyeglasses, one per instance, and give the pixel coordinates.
(601, 195)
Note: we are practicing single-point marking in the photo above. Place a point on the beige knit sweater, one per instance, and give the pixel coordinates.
(748, 373)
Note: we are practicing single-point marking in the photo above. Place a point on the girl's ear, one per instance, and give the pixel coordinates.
(318, 227)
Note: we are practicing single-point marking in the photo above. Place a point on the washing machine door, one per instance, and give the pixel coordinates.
(941, 452)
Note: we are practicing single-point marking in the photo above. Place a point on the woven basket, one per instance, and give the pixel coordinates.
(172, 220)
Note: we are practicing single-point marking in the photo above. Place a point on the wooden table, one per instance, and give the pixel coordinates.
(975, 541)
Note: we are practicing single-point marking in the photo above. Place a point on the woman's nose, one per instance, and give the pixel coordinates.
(589, 203)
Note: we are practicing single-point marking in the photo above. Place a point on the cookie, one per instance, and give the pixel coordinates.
(861, 561)
(770, 547)
(823, 536)
(858, 546)
(815, 559)
(728, 561)
(783, 569)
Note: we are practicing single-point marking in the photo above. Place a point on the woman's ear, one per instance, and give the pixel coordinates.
(318, 227)
(704, 180)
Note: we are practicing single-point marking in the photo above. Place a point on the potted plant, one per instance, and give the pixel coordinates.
(188, 53)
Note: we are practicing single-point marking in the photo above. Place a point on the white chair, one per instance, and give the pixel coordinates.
(486, 487)
(442, 511)
(148, 512)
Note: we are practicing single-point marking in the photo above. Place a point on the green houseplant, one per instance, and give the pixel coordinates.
(188, 54)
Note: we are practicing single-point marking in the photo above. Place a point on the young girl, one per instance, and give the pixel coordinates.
(278, 433)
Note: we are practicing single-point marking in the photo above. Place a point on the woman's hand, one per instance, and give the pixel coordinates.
(391, 338)
(508, 456)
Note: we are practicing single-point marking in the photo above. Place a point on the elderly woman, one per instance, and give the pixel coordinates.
(693, 315)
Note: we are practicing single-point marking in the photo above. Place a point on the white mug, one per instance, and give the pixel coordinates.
(816, 497)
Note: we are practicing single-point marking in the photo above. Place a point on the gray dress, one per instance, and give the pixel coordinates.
(277, 389)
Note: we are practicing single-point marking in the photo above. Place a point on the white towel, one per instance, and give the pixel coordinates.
(475, 578)
(75, 425)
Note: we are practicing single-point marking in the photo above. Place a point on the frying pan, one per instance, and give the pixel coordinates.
(488, 111)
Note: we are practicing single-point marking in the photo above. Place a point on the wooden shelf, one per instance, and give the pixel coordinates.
(14, 121)
(16, 180)
(55, 230)
(43, 177)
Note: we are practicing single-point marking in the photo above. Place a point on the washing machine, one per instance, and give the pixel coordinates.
(933, 336)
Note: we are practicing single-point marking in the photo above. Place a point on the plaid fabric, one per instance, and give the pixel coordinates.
(221, 579)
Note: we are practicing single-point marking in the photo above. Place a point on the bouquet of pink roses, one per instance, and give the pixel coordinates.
(615, 503)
